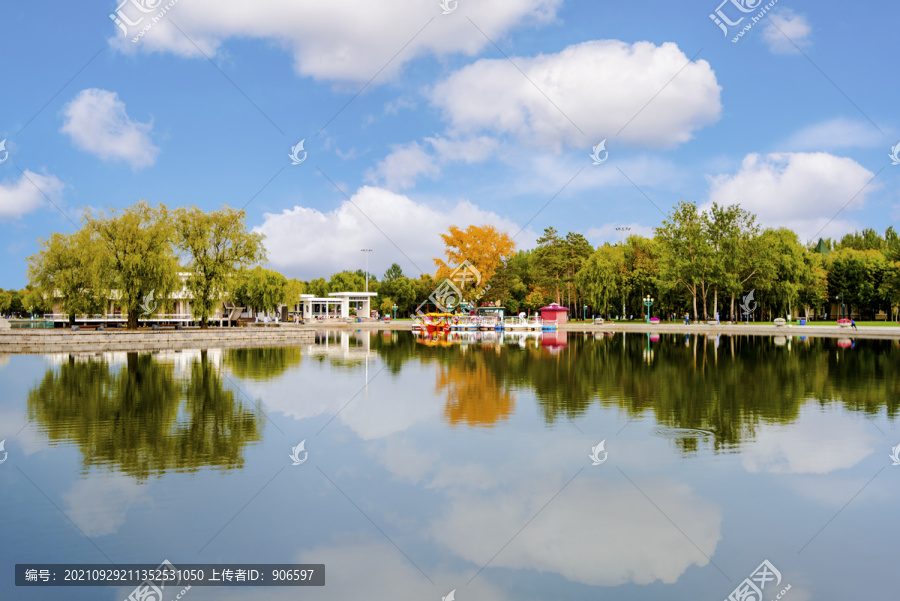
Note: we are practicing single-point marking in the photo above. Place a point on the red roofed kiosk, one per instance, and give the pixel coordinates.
(554, 314)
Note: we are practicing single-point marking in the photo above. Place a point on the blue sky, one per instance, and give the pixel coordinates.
(414, 120)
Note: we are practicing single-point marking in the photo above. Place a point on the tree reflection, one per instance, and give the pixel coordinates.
(263, 363)
(726, 385)
(141, 419)
(474, 394)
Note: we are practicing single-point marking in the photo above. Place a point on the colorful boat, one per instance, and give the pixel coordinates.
(437, 322)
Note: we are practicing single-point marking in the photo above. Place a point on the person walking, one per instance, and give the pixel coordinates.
(852, 324)
(687, 319)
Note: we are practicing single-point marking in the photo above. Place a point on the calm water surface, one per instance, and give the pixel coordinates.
(464, 464)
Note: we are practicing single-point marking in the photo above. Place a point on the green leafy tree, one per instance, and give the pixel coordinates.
(598, 277)
(261, 289)
(216, 246)
(34, 301)
(137, 254)
(686, 252)
(293, 291)
(551, 262)
(347, 281)
(69, 269)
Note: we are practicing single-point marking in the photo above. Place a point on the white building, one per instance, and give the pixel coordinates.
(336, 304)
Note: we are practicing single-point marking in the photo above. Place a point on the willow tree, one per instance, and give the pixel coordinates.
(69, 269)
(136, 251)
(598, 277)
(261, 289)
(215, 246)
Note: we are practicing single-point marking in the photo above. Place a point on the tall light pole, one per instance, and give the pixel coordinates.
(648, 302)
(623, 231)
(367, 251)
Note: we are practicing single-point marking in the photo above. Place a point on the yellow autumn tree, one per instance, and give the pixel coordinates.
(483, 246)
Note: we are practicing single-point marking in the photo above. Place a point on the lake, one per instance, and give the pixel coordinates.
(490, 467)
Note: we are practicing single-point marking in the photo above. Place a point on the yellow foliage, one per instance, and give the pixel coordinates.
(483, 246)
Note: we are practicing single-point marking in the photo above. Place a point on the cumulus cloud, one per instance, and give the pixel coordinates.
(786, 31)
(820, 442)
(801, 191)
(99, 505)
(599, 85)
(406, 163)
(27, 193)
(97, 123)
(834, 134)
(349, 40)
(308, 243)
(625, 540)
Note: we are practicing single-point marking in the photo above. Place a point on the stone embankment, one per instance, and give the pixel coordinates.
(64, 340)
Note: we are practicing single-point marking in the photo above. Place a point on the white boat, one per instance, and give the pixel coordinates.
(535, 323)
(519, 323)
(489, 323)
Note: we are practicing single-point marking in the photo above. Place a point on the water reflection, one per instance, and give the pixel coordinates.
(142, 418)
(726, 385)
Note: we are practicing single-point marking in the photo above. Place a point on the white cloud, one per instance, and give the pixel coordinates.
(597, 532)
(99, 505)
(308, 243)
(25, 194)
(403, 166)
(785, 28)
(818, 442)
(800, 191)
(406, 163)
(834, 134)
(97, 123)
(348, 40)
(600, 85)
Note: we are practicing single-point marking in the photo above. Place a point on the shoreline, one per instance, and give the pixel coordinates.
(28, 341)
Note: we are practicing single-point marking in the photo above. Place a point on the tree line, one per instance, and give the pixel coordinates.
(703, 262)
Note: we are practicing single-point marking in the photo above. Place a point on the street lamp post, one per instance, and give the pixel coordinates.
(584, 314)
(367, 251)
(395, 311)
(841, 297)
(648, 302)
